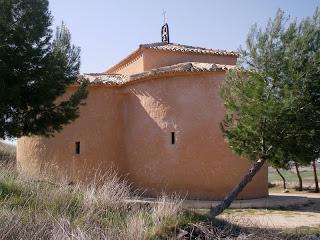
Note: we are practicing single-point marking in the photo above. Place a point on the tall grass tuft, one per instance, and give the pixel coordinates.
(33, 208)
(7, 153)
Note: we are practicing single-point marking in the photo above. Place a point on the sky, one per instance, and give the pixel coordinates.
(109, 30)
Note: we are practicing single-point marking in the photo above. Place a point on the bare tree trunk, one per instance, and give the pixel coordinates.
(283, 179)
(215, 211)
(315, 176)
(299, 177)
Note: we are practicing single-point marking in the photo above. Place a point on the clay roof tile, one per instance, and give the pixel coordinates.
(174, 47)
(118, 79)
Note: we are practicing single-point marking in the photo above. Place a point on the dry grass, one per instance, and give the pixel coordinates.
(33, 209)
(7, 153)
(38, 209)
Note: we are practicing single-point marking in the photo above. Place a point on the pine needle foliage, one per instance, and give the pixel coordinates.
(282, 88)
(273, 97)
(35, 69)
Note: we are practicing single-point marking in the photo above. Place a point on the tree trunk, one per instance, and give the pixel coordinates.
(315, 176)
(283, 179)
(299, 177)
(215, 211)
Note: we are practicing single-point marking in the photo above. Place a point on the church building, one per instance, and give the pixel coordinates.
(154, 117)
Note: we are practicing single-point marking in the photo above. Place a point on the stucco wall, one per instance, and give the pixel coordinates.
(99, 130)
(147, 59)
(155, 59)
(130, 128)
(132, 66)
(200, 163)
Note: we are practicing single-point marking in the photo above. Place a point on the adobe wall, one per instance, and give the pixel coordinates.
(99, 130)
(200, 163)
(155, 58)
(132, 66)
(130, 127)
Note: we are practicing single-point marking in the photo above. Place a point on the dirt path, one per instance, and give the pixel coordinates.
(274, 219)
(290, 217)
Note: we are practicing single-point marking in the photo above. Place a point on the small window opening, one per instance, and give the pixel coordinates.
(173, 138)
(77, 147)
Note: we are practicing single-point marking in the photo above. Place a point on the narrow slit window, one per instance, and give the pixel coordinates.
(173, 138)
(77, 147)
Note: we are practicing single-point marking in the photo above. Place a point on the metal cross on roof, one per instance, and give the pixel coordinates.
(164, 16)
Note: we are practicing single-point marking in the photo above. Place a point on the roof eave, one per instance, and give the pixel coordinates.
(124, 61)
(136, 79)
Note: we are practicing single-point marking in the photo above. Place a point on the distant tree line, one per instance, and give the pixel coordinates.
(296, 166)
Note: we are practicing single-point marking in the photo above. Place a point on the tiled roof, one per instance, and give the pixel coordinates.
(189, 49)
(183, 67)
(118, 79)
(108, 79)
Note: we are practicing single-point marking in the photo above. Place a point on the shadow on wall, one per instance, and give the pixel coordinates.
(199, 161)
(148, 128)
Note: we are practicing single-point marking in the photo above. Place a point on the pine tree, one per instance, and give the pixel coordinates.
(284, 182)
(35, 69)
(303, 57)
(300, 186)
(273, 101)
(316, 181)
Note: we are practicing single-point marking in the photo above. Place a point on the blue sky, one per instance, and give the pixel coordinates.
(108, 30)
